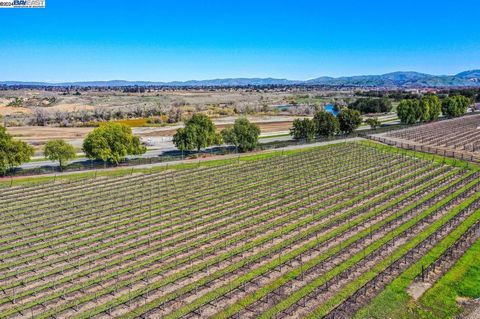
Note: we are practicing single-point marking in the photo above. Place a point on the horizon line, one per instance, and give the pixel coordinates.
(233, 78)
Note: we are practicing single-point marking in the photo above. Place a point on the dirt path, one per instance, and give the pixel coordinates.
(475, 314)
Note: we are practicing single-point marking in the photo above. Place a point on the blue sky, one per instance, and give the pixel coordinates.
(182, 40)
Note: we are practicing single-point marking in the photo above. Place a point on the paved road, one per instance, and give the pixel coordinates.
(162, 145)
(165, 146)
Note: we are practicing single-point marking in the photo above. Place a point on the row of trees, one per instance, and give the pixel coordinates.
(429, 107)
(426, 109)
(111, 142)
(200, 132)
(370, 105)
(455, 106)
(43, 116)
(325, 124)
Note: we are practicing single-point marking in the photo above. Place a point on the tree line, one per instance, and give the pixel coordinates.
(371, 105)
(429, 108)
(325, 124)
(200, 132)
(398, 95)
(111, 142)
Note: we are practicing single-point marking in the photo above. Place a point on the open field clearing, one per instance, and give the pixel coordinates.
(314, 234)
(21, 104)
(159, 137)
(39, 135)
(458, 138)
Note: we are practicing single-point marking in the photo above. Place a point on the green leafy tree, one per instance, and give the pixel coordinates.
(370, 105)
(199, 132)
(12, 153)
(112, 142)
(373, 122)
(349, 120)
(455, 106)
(408, 111)
(449, 107)
(464, 103)
(326, 123)
(184, 139)
(434, 106)
(423, 110)
(303, 129)
(59, 150)
(243, 134)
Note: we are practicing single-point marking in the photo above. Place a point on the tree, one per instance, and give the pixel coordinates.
(370, 105)
(59, 150)
(12, 152)
(303, 129)
(326, 123)
(455, 106)
(184, 139)
(199, 132)
(243, 134)
(408, 111)
(434, 106)
(373, 122)
(40, 116)
(423, 111)
(112, 142)
(449, 107)
(426, 109)
(349, 120)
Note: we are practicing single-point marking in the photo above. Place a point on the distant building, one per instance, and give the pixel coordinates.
(429, 91)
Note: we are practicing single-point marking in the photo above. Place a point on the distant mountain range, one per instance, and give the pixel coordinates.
(389, 80)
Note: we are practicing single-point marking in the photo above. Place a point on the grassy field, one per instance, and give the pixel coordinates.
(463, 280)
(321, 226)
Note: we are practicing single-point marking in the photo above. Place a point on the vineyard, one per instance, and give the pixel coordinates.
(314, 234)
(458, 138)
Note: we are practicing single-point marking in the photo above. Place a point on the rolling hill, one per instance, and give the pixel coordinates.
(388, 80)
